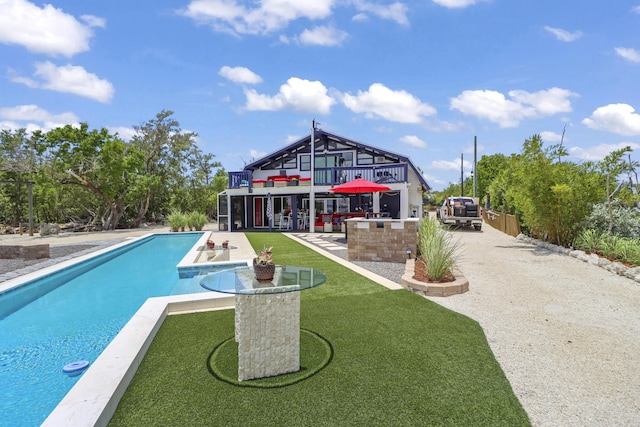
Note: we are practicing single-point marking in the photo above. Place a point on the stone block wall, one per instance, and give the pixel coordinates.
(26, 252)
(268, 334)
(384, 240)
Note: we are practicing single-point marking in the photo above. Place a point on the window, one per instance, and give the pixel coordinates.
(305, 162)
(365, 159)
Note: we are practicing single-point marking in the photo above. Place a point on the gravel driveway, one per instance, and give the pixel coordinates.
(566, 333)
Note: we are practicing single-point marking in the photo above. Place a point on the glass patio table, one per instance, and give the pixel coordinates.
(267, 316)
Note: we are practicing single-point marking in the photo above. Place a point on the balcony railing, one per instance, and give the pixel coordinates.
(242, 179)
(381, 174)
(384, 174)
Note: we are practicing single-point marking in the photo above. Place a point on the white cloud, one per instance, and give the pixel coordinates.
(552, 136)
(396, 12)
(69, 79)
(291, 139)
(270, 16)
(451, 164)
(599, 152)
(256, 154)
(125, 133)
(617, 118)
(299, 95)
(323, 36)
(636, 9)
(563, 35)
(413, 141)
(628, 53)
(240, 75)
(33, 112)
(455, 4)
(32, 117)
(495, 107)
(45, 30)
(94, 21)
(396, 106)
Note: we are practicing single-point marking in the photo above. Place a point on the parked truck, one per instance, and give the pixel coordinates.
(460, 211)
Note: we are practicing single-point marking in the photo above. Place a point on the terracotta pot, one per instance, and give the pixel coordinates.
(264, 272)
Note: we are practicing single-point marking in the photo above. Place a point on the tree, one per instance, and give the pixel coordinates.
(489, 167)
(612, 166)
(18, 163)
(169, 155)
(99, 163)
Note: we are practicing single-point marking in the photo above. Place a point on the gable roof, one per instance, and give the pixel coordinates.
(331, 142)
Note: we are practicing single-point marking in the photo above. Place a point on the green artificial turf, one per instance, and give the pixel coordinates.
(398, 360)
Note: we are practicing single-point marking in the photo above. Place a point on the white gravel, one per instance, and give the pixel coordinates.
(566, 333)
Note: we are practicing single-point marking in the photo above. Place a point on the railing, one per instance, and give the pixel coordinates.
(243, 179)
(383, 174)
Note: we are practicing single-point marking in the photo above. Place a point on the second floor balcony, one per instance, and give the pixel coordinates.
(385, 174)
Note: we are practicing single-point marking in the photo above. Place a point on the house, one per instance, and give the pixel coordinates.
(301, 175)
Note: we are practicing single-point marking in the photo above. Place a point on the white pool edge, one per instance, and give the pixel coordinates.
(95, 397)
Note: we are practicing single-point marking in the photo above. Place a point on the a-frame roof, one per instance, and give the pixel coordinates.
(330, 142)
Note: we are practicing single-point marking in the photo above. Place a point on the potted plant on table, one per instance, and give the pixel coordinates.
(263, 265)
(225, 244)
(211, 244)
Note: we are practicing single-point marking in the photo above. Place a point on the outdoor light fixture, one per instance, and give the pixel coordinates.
(408, 252)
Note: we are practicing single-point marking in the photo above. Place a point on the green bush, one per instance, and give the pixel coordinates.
(197, 220)
(177, 220)
(626, 220)
(437, 248)
(623, 249)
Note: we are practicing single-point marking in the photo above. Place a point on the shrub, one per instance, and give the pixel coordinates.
(177, 220)
(436, 248)
(626, 220)
(614, 247)
(197, 220)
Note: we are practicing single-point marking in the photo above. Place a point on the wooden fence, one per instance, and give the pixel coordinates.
(506, 223)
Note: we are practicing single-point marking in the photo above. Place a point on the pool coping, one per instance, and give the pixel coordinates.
(96, 395)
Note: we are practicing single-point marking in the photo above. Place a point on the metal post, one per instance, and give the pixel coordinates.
(312, 194)
(475, 166)
(29, 189)
(462, 174)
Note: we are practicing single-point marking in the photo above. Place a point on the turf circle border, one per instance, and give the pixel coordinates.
(316, 352)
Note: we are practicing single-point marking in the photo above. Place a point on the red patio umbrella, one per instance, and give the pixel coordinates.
(359, 186)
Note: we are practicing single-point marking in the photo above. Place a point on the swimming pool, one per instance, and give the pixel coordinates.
(73, 315)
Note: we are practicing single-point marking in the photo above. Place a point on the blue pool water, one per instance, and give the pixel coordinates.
(77, 320)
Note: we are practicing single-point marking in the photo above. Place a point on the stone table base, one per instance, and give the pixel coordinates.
(268, 334)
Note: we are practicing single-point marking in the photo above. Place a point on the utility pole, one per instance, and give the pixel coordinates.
(462, 174)
(475, 166)
(312, 193)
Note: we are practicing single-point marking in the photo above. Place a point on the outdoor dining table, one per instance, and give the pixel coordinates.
(267, 316)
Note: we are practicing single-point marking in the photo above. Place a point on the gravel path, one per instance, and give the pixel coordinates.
(566, 333)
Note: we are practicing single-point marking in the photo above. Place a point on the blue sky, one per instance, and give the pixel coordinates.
(420, 78)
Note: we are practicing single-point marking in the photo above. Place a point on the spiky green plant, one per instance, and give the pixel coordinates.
(589, 241)
(177, 220)
(197, 220)
(437, 249)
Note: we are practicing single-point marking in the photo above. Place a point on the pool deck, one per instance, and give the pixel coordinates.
(95, 397)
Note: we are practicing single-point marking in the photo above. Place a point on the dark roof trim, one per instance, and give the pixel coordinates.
(320, 136)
